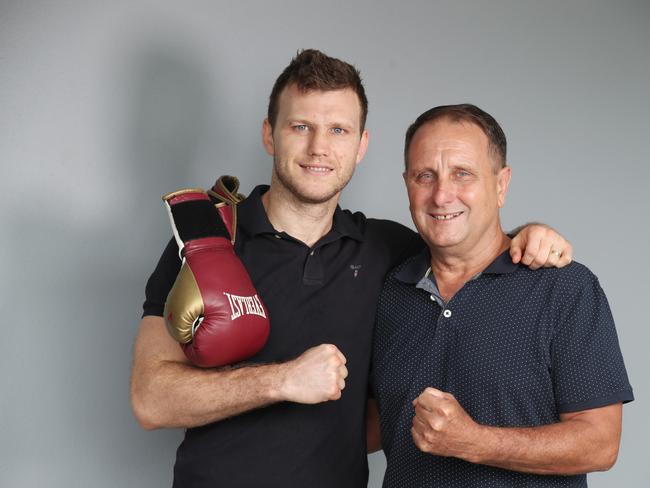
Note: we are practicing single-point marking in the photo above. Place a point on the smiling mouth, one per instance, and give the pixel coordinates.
(449, 216)
(316, 169)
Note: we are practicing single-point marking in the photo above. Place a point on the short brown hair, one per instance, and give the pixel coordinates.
(465, 112)
(314, 70)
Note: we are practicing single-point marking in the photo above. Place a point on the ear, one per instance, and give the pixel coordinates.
(363, 146)
(267, 137)
(503, 181)
(405, 174)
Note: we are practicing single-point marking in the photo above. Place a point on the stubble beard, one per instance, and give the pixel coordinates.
(301, 195)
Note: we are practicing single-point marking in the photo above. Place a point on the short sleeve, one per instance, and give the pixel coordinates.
(161, 280)
(587, 366)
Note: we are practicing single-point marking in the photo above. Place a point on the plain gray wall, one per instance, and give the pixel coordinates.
(104, 106)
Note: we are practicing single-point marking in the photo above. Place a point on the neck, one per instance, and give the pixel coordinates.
(453, 269)
(307, 222)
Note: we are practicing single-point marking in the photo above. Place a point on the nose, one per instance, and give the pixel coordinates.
(318, 144)
(444, 192)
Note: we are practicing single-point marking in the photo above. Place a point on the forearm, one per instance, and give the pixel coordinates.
(174, 394)
(166, 391)
(580, 442)
(570, 447)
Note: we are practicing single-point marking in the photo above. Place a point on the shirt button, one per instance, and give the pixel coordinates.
(447, 313)
(311, 253)
(277, 236)
(433, 298)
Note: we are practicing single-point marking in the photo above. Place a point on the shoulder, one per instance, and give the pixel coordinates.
(391, 228)
(387, 235)
(570, 293)
(567, 280)
(380, 228)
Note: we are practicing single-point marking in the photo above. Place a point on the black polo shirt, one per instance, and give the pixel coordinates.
(515, 347)
(326, 293)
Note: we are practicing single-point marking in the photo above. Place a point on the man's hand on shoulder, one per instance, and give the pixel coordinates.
(538, 245)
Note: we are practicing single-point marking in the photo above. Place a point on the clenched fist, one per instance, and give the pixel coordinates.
(442, 427)
(317, 375)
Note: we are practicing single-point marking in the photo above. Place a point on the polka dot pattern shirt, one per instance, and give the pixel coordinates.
(515, 347)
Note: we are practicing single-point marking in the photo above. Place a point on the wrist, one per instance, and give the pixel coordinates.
(478, 446)
(277, 379)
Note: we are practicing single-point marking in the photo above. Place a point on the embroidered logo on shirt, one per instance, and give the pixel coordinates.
(355, 268)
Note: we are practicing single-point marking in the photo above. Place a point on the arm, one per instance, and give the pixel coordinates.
(581, 442)
(537, 245)
(166, 391)
(373, 434)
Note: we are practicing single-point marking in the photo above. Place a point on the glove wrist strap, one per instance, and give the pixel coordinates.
(192, 216)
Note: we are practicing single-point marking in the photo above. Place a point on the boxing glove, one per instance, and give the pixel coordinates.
(212, 309)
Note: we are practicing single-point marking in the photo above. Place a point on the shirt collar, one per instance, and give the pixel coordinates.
(415, 268)
(253, 218)
(418, 266)
(344, 223)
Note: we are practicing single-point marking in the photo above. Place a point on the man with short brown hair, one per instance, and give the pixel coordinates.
(312, 70)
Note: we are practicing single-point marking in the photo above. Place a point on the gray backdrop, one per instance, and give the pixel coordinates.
(104, 106)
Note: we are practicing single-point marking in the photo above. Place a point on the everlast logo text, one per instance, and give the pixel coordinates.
(245, 306)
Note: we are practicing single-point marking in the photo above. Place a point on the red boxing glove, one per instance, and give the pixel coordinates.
(212, 309)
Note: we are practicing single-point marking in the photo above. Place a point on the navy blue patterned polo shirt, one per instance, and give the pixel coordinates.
(515, 347)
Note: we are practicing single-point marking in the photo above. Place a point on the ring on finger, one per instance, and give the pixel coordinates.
(556, 252)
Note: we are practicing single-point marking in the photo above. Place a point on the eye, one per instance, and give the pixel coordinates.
(300, 127)
(461, 173)
(338, 130)
(424, 178)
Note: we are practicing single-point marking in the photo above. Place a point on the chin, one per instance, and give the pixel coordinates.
(441, 241)
(315, 194)
(316, 198)
(440, 237)
(446, 244)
